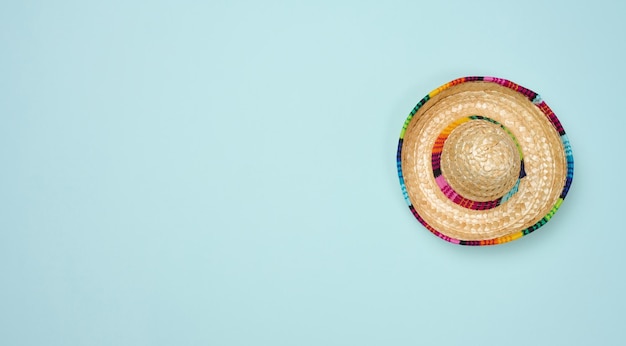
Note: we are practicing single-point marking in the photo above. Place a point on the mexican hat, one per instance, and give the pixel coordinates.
(483, 161)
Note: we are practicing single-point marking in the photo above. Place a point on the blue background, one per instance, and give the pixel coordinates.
(223, 173)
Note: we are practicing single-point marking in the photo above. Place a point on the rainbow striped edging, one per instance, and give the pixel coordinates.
(436, 156)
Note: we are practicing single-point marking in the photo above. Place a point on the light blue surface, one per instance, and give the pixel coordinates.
(223, 173)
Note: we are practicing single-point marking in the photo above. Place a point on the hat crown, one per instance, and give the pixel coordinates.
(480, 161)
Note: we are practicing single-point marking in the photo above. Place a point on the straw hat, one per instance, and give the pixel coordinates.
(483, 161)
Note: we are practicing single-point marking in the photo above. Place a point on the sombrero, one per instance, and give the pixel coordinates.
(483, 161)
